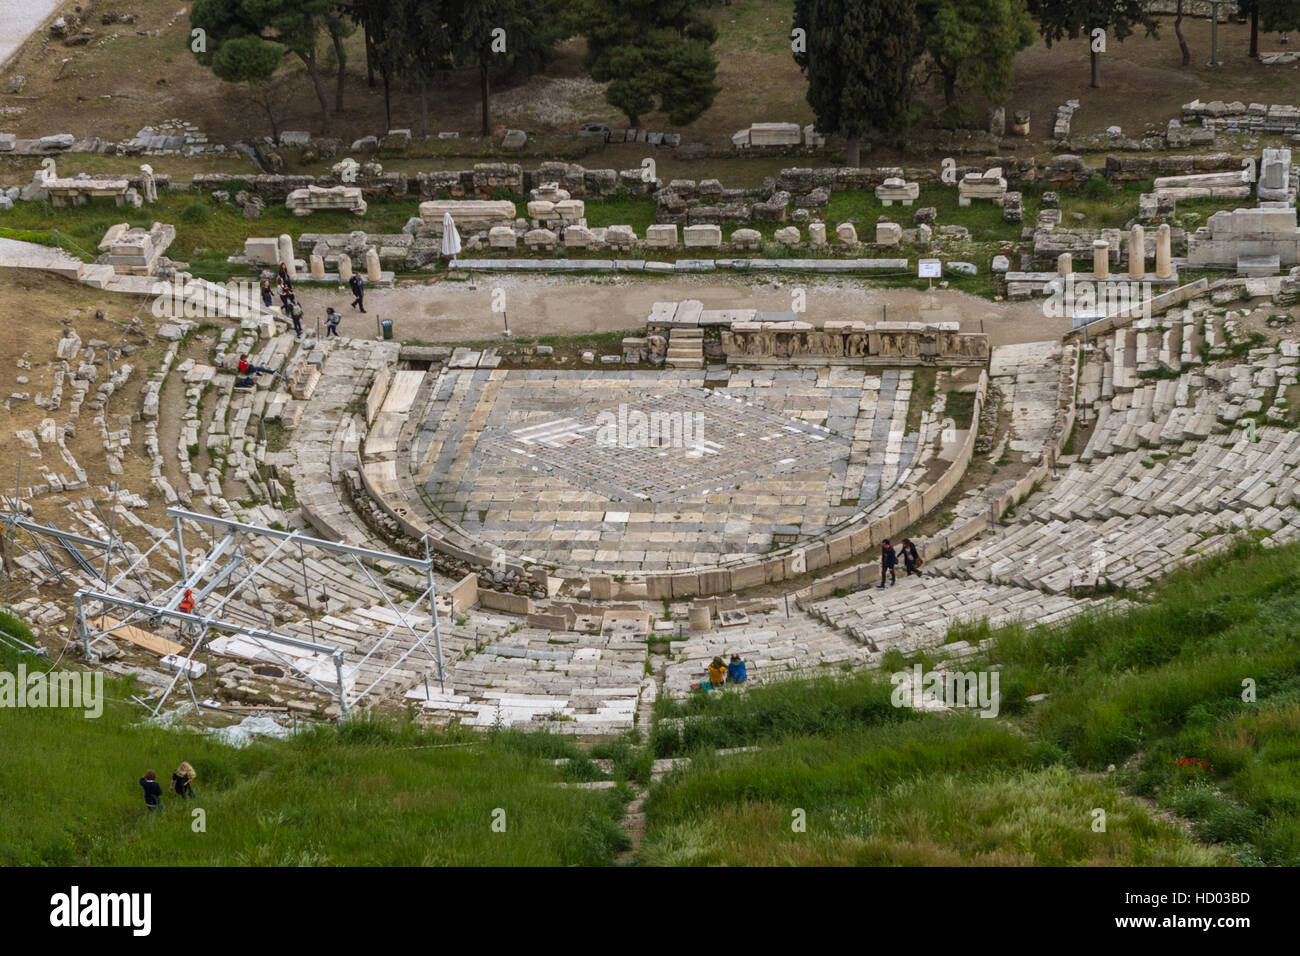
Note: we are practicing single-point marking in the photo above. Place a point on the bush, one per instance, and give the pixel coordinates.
(1097, 188)
(196, 213)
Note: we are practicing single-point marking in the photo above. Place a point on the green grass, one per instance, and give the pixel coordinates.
(374, 793)
(931, 792)
(206, 231)
(1139, 691)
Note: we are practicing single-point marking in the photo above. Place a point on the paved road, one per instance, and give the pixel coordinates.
(454, 311)
(18, 18)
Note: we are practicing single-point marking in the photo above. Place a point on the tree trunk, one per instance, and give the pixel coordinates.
(484, 86)
(1096, 81)
(327, 116)
(949, 88)
(1178, 31)
(342, 58)
(1254, 31)
(424, 107)
(853, 151)
(370, 61)
(388, 101)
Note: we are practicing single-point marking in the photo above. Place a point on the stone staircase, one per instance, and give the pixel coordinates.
(686, 348)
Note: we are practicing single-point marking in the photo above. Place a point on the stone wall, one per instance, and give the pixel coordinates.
(1238, 117)
(999, 504)
(853, 343)
(855, 541)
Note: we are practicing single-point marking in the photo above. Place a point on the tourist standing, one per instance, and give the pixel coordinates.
(152, 792)
(332, 320)
(888, 561)
(358, 285)
(295, 313)
(266, 293)
(183, 780)
(286, 280)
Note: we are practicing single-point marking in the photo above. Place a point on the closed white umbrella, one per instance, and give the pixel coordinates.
(450, 237)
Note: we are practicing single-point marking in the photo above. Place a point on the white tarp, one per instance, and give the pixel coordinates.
(450, 237)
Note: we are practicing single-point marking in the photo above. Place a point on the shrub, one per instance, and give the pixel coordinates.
(195, 213)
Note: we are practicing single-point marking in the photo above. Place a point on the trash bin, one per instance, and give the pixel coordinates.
(387, 326)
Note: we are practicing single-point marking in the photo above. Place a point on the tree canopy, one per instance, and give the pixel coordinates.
(657, 54)
(859, 57)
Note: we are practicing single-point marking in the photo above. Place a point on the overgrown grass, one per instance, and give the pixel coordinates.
(370, 793)
(1192, 697)
(931, 792)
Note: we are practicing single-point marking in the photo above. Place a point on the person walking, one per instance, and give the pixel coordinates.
(911, 557)
(295, 313)
(286, 298)
(152, 792)
(332, 320)
(358, 285)
(183, 780)
(888, 561)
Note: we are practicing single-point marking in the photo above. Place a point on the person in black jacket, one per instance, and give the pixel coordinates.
(152, 792)
(888, 561)
(358, 285)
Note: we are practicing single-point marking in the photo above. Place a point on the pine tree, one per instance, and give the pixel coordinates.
(652, 53)
(1117, 19)
(973, 43)
(859, 56)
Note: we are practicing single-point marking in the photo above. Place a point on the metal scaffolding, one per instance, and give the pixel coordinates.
(198, 602)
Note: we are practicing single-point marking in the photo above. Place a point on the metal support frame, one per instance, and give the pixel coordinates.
(216, 569)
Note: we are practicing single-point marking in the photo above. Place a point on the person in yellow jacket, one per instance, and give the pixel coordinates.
(717, 673)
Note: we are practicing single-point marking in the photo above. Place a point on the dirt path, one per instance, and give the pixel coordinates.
(556, 305)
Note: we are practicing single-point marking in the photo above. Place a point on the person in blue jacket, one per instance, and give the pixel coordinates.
(736, 670)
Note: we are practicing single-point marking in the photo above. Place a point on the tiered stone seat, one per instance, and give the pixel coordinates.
(562, 680)
(772, 645)
(918, 612)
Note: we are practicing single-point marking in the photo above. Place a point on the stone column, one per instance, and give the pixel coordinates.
(1064, 264)
(1164, 253)
(700, 618)
(286, 254)
(1137, 253)
(345, 267)
(1100, 258)
(373, 272)
(317, 266)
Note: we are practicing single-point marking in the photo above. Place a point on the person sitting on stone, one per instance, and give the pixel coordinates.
(717, 673)
(246, 368)
(736, 673)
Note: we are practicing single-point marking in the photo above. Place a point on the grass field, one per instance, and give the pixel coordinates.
(1173, 722)
(1144, 718)
(374, 794)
